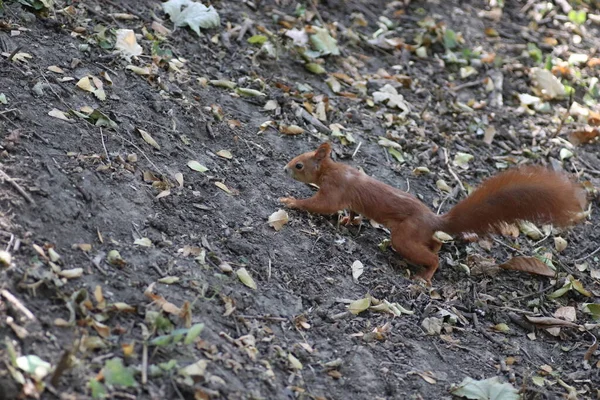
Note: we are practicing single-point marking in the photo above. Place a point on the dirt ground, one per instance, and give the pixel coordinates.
(89, 190)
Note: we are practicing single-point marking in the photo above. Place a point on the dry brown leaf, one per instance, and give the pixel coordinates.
(148, 138)
(278, 219)
(594, 118)
(290, 129)
(549, 322)
(56, 113)
(530, 265)
(582, 136)
(566, 313)
(56, 69)
(224, 188)
(85, 84)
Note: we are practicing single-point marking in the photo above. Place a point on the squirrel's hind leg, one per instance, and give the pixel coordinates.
(408, 241)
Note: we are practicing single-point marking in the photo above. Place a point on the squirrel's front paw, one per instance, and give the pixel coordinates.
(288, 201)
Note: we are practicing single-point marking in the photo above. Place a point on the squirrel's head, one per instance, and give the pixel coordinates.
(307, 167)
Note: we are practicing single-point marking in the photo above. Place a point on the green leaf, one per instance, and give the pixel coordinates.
(315, 68)
(450, 41)
(3, 99)
(558, 293)
(534, 52)
(193, 333)
(257, 39)
(161, 341)
(592, 308)
(324, 43)
(577, 17)
(488, 389)
(98, 389)
(396, 154)
(116, 374)
(169, 365)
(34, 366)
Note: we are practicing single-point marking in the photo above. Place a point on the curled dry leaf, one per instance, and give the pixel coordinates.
(85, 84)
(547, 85)
(357, 270)
(127, 44)
(549, 322)
(56, 113)
(196, 166)
(162, 194)
(179, 178)
(224, 188)
(360, 305)
(278, 219)
(71, 273)
(530, 230)
(225, 154)
(291, 129)
(139, 70)
(244, 277)
(294, 362)
(530, 265)
(249, 92)
(560, 244)
(144, 242)
(148, 138)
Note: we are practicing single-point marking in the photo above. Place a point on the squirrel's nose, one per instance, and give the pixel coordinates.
(287, 170)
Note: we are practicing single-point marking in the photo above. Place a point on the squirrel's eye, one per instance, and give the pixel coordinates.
(299, 165)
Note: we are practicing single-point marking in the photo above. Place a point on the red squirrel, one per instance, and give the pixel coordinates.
(528, 193)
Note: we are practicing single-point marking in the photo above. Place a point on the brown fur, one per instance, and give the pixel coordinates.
(529, 193)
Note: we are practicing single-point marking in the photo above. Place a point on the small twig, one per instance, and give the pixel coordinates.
(467, 85)
(104, 145)
(508, 246)
(14, 52)
(22, 191)
(313, 5)
(356, 150)
(588, 256)
(564, 117)
(17, 304)
(145, 363)
(457, 179)
(541, 291)
(264, 318)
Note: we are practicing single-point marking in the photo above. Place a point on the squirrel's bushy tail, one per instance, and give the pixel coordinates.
(529, 193)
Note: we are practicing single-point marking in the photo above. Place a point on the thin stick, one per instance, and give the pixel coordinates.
(14, 52)
(145, 363)
(104, 145)
(263, 317)
(564, 117)
(10, 180)
(356, 150)
(467, 85)
(588, 256)
(457, 179)
(15, 302)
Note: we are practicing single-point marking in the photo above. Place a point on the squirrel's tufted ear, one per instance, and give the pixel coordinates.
(323, 151)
